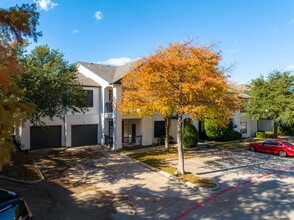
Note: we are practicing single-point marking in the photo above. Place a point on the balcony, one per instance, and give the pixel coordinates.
(108, 108)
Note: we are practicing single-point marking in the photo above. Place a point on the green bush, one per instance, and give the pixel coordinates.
(266, 134)
(231, 135)
(161, 140)
(269, 134)
(190, 136)
(286, 129)
(212, 130)
(203, 136)
(260, 134)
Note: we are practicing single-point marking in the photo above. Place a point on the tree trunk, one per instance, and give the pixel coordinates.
(167, 121)
(276, 124)
(180, 169)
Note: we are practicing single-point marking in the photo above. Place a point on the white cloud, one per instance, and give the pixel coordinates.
(75, 31)
(98, 15)
(117, 61)
(290, 67)
(292, 22)
(46, 4)
(235, 51)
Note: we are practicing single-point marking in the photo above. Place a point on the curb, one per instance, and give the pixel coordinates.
(188, 184)
(22, 181)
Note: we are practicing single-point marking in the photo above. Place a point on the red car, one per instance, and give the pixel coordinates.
(274, 147)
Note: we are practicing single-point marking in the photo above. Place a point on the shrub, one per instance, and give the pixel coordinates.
(203, 136)
(269, 134)
(190, 136)
(266, 134)
(231, 135)
(286, 129)
(211, 129)
(260, 134)
(161, 140)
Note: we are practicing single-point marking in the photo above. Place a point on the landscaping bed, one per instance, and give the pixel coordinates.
(22, 167)
(155, 158)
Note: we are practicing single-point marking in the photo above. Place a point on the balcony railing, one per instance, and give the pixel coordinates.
(132, 141)
(108, 107)
(108, 140)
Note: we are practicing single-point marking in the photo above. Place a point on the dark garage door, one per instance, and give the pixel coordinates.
(40, 139)
(82, 135)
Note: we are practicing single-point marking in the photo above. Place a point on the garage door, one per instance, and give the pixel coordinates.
(82, 135)
(41, 139)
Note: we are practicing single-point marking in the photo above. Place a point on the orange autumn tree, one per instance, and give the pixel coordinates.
(184, 78)
(15, 24)
(138, 100)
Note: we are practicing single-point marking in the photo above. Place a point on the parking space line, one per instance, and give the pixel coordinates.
(228, 189)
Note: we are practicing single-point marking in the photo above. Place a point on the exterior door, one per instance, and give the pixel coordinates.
(110, 132)
(133, 133)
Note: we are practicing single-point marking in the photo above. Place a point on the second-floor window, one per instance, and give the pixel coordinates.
(110, 96)
(89, 97)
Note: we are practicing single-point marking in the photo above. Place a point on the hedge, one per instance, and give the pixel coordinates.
(190, 136)
(231, 135)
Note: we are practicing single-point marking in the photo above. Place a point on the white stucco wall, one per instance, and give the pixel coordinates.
(90, 117)
(265, 125)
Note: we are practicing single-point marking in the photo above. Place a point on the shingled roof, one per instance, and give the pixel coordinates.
(85, 81)
(111, 74)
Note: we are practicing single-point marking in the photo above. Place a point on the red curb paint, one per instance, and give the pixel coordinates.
(228, 189)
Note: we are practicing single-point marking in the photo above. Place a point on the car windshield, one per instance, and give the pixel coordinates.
(288, 144)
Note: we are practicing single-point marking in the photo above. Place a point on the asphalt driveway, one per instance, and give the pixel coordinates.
(93, 183)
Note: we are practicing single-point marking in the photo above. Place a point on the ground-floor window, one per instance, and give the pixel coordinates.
(243, 127)
(159, 129)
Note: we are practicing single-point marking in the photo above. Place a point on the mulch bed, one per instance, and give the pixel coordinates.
(22, 167)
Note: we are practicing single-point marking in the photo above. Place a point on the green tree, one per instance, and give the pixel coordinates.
(16, 24)
(50, 82)
(272, 98)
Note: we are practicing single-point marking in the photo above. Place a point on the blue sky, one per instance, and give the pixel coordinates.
(257, 36)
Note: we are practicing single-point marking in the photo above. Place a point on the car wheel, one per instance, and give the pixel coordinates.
(282, 153)
(252, 148)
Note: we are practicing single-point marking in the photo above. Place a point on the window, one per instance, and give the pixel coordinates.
(288, 144)
(89, 97)
(159, 128)
(243, 127)
(110, 98)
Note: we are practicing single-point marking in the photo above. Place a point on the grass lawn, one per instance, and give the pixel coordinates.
(155, 158)
(22, 167)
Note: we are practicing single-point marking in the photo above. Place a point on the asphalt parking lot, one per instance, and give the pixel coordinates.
(90, 183)
(238, 164)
